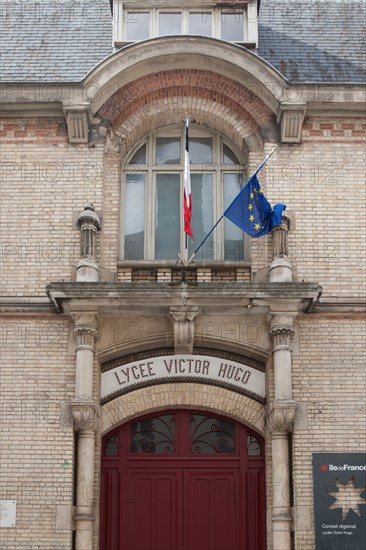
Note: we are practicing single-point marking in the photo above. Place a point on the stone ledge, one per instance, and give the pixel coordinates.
(215, 296)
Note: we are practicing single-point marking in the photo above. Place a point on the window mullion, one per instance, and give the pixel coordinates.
(150, 215)
(219, 199)
(185, 17)
(216, 31)
(245, 23)
(122, 213)
(153, 23)
(218, 234)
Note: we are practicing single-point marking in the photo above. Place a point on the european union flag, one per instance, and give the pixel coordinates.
(251, 211)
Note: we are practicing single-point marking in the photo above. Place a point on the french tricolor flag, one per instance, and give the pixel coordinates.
(187, 195)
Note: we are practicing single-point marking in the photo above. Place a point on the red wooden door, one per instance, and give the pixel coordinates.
(182, 480)
(211, 509)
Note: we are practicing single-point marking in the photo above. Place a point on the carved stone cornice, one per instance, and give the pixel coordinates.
(290, 298)
(86, 416)
(281, 416)
(282, 336)
(183, 318)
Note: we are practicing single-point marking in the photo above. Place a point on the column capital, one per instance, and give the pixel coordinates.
(282, 336)
(86, 416)
(85, 330)
(281, 416)
(85, 336)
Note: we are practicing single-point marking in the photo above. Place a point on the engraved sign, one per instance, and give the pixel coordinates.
(7, 513)
(183, 368)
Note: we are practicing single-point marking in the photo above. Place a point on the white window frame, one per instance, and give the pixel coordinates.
(150, 169)
(120, 7)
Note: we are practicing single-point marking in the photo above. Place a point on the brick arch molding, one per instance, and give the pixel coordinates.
(206, 114)
(210, 99)
(184, 395)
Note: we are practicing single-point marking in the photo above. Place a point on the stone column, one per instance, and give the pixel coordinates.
(281, 417)
(85, 416)
(89, 223)
(280, 270)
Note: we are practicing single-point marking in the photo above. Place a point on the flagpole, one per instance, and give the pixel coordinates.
(219, 220)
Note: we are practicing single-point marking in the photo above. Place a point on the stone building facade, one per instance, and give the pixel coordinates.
(103, 328)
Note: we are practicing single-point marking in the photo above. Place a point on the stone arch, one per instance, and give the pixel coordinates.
(210, 99)
(184, 395)
(182, 52)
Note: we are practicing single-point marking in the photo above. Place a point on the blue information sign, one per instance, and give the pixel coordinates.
(340, 500)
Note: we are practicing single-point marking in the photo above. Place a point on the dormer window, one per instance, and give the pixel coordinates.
(140, 20)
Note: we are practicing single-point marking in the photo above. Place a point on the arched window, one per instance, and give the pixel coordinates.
(152, 188)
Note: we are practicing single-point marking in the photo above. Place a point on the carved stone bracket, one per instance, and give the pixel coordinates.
(291, 117)
(282, 415)
(282, 336)
(85, 415)
(183, 317)
(77, 122)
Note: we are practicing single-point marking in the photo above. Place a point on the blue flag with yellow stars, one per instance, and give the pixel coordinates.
(251, 211)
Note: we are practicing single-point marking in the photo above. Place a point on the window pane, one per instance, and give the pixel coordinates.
(234, 236)
(200, 150)
(168, 224)
(167, 150)
(134, 216)
(202, 209)
(229, 156)
(138, 25)
(170, 23)
(140, 156)
(211, 435)
(154, 435)
(253, 446)
(111, 446)
(232, 27)
(200, 23)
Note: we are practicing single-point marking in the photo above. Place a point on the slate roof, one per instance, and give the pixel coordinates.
(317, 41)
(53, 40)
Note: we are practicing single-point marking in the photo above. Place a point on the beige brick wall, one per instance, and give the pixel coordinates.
(45, 185)
(329, 382)
(323, 185)
(37, 457)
